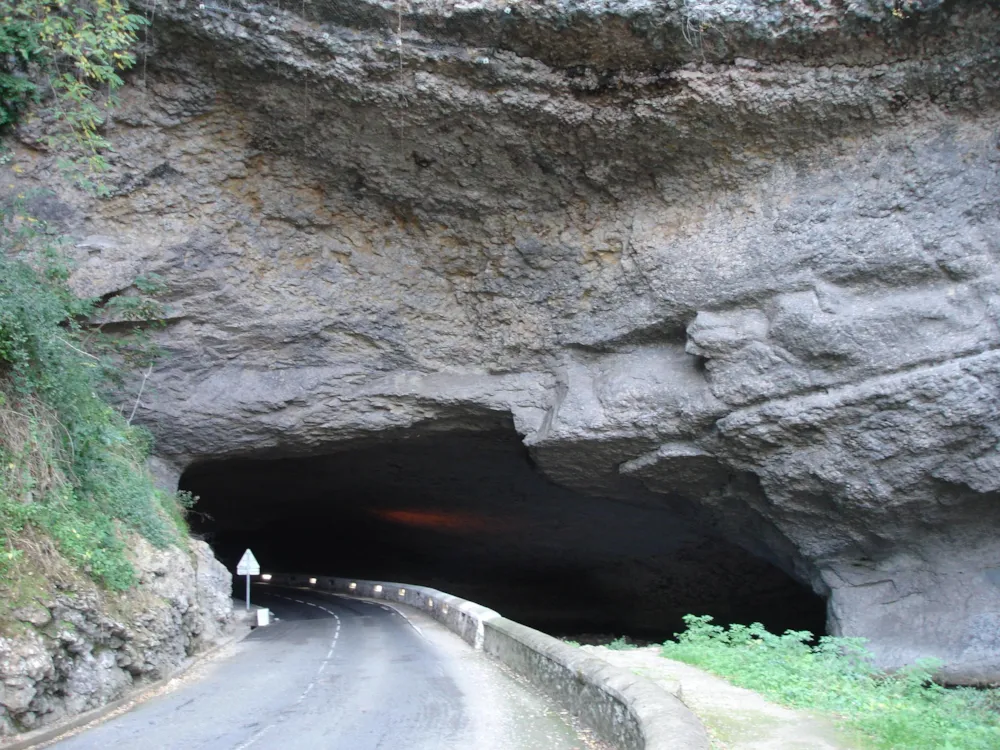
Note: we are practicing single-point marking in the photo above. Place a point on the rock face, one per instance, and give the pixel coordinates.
(74, 648)
(733, 258)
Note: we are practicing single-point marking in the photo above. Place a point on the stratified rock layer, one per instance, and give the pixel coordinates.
(733, 258)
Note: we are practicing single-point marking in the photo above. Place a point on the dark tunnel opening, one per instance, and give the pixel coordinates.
(469, 514)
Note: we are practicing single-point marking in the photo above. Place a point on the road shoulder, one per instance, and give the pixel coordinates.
(736, 718)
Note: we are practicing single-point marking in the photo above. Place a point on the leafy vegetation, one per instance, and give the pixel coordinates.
(71, 466)
(900, 710)
(621, 643)
(66, 54)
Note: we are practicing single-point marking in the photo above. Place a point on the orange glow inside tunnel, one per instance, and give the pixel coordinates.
(445, 521)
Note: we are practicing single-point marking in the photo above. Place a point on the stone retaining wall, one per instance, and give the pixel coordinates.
(626, 710)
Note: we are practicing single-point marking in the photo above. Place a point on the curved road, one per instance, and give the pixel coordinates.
(340, 674)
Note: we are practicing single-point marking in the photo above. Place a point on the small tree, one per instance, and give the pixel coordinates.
(66, 55)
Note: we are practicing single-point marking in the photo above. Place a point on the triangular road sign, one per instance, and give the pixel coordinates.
(248, 565)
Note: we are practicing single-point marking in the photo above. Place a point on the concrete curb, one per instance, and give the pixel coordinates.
(50, 733)
(624, 709)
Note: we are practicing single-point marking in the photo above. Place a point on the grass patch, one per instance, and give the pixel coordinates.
(837, 675)
(621, 643)
(39, 574)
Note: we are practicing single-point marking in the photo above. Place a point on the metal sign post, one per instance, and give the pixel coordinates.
(248, 566)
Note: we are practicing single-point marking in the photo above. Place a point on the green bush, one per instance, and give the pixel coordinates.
(17, 53)
(900, 710)
(621, 643)
(70, 464)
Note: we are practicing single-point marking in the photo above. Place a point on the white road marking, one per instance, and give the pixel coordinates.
(255, 737)
(405, 619)
(319, 671)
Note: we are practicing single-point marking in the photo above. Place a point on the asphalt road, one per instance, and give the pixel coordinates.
(340, 674)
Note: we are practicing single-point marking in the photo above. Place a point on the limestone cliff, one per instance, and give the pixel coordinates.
(735, 258)
(67, 646)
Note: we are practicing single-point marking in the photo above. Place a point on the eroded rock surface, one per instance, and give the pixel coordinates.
(733, 258)
(73, 648)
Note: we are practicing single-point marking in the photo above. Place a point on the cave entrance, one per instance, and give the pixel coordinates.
(469, 514)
